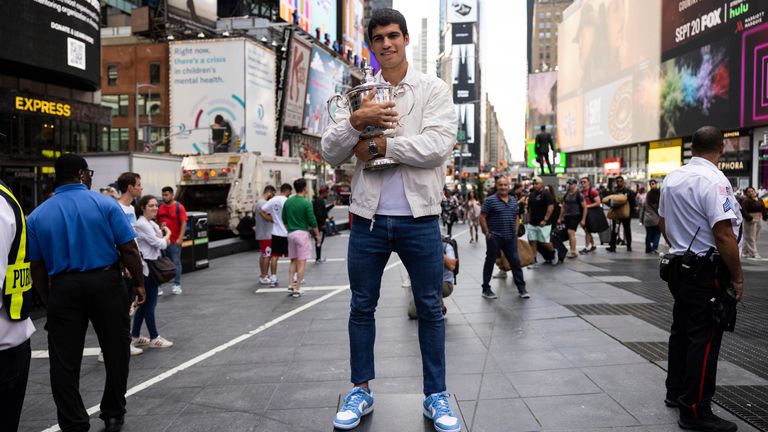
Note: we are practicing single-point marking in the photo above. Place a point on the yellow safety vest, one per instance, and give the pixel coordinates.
(17, 294)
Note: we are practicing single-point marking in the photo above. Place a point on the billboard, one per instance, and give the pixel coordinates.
(52, 41)
(542, 100)
(322, 15)
(298, 63)
(464, 83)
(462, 34)
(327, 76)
(232, 78)
(664, 156)
(754, 76)
(298, 9)
(461, 11)
(353, 27)
(470, 125)
(556, 158)
(199, 11)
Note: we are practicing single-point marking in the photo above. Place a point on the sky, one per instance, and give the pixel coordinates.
(503, 28)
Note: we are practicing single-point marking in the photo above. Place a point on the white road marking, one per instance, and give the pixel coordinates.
(43, 354)
(307, 288)
(311, 261)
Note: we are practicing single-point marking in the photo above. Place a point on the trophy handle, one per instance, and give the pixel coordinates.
(399, 91)
(340, 102)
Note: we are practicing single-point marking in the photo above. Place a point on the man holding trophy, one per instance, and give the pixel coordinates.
(396, 195)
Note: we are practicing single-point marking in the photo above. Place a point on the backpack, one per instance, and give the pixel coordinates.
(446, 241)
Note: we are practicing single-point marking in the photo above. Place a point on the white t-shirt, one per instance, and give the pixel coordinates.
(130, 213)
(392, 201)
(263, 228)
(12, 333)
(274, 208)
(697, 195)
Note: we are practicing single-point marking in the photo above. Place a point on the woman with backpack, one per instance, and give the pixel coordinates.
(649, 217)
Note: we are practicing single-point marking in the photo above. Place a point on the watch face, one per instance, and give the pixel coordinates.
(372, 149)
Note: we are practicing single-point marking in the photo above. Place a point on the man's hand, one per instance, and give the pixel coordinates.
(487, 235)
(179, 241)
(542, 223)
(138, 292)
(361, 148)
(583, 223)
(738, 287)
(371, 113)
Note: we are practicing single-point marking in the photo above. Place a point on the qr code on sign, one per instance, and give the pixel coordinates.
(75, 53)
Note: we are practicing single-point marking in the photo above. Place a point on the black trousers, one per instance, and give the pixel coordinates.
(14, 371)
(76, 298)
(694, 344)
(544, 159)
(319, 247)
(627, 224)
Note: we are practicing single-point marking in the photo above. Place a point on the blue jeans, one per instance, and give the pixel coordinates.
(509, 246)
(173, 251)
(146, 311)
(652, 237)
(418, 243)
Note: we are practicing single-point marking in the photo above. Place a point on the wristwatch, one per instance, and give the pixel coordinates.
(373, 149)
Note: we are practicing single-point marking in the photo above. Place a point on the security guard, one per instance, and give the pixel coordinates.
(76, 239)
(701, 220)
(15, 302)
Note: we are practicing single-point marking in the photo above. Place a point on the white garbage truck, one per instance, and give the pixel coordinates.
(228, 185)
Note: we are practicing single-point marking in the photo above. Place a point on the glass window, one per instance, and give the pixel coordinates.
(111, 74)
(111, 102)
(541, 25)
(154, 73)
(549, 35)
(153, 104)
(123, 105)
(541, 35)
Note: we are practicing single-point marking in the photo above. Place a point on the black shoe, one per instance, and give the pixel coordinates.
(114, 424)
(629, 248)
(671, 401)
(708, 423)
(490, 294)
(611, 249)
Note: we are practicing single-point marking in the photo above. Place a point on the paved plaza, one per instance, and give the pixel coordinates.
(253, 359)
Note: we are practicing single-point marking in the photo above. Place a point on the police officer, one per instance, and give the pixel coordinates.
(15, 302)
(701, 221)
(76, 240)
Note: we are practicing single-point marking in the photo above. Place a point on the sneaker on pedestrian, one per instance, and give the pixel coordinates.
(136, 350)
(160, 342)
(524, 294)
(273, 281)
(437, 408)
(357, 403)
(708, 422)
(489, 294)
(159, 291)
(176, 290)
(593, 248)
(139, 341)
(584, 251)
(265, 280)
(320, 261)
(500, 275)
(296, 294)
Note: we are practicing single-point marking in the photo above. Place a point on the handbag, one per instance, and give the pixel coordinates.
(162, 269)
(619, 213)
(596, 221)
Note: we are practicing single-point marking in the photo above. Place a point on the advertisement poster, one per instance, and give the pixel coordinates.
(754, 86)
(608, 115)
(199, 11)
(52, 41)
(327, 76)
(462, 34)
(214, 78)
(296, 9)
(542, 100)
(260, 104)
(461, 11)
(463, 62)
(556, 158)
(322, 15)
(570, 124)
(466, 116)
(353, 26)
(298, 63)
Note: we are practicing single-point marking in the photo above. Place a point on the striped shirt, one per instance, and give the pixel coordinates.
(501, 216)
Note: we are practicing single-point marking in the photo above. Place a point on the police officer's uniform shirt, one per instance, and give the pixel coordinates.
(12, 333)
(697, 195)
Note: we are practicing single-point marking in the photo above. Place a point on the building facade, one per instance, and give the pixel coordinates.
(547, 16)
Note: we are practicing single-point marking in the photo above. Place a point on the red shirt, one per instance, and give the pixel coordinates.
(173, 220)
(590, 195)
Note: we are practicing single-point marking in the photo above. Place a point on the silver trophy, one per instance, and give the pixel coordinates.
(353, 100)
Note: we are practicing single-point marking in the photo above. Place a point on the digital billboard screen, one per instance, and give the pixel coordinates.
(353, 26)
(327, 76)
(461, 11)
(464, 82)
(322, 16)
(52, 41)
(542, 100)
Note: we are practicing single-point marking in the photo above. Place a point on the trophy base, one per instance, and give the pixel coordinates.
(381, 163)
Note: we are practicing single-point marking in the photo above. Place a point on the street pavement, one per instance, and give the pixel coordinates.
(248, 358)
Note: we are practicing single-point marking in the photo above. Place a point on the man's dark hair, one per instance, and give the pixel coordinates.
(285, 187)
(619, 178)
(384, 17)
(167, 189)
(707, 139)
(269, 189)
(543, 128)
(126, 179)
(300, 185)
(218, 119)
(68, 167)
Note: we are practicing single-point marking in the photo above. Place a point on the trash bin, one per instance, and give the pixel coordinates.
(194, 249)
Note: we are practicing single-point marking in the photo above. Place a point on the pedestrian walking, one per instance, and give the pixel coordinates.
(272, 212)
(543, 143)
(263, 234)
(15, 303)
(541, 207)
(449, 205)
(649, 217)
(76, 240)
(624, 220)
(299, 220)
(152, 241)
(173, 214)
(396, 210)
(595, 215)
(701, 220)
(499, 222)
(473, 215)
(321, 209)
(754, 212)
(574, 214)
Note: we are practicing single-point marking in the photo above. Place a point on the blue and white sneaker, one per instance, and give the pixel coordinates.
(437, 408)
(357, 403)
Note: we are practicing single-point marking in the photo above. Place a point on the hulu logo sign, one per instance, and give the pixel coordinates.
(736, 11)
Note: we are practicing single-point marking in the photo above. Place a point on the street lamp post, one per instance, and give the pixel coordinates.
(136, 103)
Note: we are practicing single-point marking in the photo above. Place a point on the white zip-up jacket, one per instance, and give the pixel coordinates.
(421, 145)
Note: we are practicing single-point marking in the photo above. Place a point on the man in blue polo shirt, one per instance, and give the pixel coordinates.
(498, 220)
(75, 241)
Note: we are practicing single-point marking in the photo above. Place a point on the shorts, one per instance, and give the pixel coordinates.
(572, 222)
(279, 246)
(299, 245)
(538, 234)
(265, 246)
